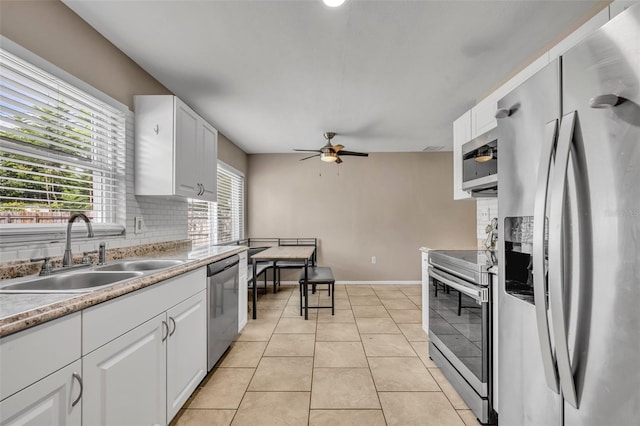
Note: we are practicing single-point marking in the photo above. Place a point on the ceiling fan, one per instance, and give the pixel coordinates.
(331, 153)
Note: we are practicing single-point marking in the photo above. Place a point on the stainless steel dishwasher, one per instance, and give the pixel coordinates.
(222, 307)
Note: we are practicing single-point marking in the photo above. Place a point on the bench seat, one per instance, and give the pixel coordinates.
(316, 276)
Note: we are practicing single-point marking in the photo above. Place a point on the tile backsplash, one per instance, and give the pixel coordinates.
(486, 209)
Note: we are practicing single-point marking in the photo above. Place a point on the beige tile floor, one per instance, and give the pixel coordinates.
(366, 365)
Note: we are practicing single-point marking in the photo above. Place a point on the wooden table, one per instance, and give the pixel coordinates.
(274, 254)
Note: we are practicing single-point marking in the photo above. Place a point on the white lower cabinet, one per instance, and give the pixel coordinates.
(144, 376)
(125, 380)
(53, 400)
(186, 350)
(242, 295)
(425, 289)
(133, 360)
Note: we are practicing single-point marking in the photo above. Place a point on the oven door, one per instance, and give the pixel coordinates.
(459, 326)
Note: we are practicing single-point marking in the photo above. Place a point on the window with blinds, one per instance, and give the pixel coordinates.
(222, 221)
(61, 150)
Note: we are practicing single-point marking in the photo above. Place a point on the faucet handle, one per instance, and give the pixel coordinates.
(86, 260)
(102, 253)
(46, 266)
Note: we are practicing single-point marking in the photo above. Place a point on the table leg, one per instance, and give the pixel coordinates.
(255, 289)
(306, 289)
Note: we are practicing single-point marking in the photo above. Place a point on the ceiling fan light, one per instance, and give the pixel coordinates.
(333, 3)
(329, 157)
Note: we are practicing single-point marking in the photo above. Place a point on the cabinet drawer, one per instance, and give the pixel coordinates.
(32, 354)
(103, 323)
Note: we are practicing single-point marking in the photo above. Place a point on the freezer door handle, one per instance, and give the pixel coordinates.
(539, 267)
(557, 258)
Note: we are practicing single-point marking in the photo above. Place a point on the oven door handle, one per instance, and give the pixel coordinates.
(479, 294)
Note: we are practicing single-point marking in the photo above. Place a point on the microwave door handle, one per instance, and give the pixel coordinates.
(539, 267)
(557, 258)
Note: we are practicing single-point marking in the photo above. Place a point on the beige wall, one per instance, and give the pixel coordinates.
(231, 154)
(387, 205)
(52, 31)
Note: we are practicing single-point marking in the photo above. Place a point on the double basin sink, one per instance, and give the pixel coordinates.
(94, 279)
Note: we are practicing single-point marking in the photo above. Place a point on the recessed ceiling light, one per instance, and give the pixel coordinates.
(333, 3)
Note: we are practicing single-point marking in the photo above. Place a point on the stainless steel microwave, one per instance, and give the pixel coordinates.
(480, 165)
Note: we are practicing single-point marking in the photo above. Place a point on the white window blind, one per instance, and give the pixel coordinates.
(230, 205)
(61, 150)
(222, 221)
(199, 224)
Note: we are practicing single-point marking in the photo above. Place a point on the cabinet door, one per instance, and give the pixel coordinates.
(47, 402)
(461, 135)
(242, 289)
(186, 155)
(483, 115)
(186, 350)
(425, 291)
(125, 380)
(208, 160)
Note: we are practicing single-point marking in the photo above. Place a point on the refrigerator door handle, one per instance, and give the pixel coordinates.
(539, 267)
(556, 258)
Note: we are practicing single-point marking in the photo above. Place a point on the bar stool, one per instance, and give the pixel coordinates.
(316, 276)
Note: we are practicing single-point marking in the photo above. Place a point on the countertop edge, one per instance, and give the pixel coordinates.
(77, 302)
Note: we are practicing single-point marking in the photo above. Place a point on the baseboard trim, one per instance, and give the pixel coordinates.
(364, 282)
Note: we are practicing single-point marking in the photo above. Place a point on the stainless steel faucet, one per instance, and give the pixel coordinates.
(67, 260)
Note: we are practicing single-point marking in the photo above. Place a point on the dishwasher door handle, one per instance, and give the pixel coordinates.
(216, 271)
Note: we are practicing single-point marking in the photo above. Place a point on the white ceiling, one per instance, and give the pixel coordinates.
(384, 75)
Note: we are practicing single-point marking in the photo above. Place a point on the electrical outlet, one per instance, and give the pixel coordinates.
(138, 225)
(373, 259)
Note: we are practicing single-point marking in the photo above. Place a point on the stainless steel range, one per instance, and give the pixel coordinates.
(460, 324)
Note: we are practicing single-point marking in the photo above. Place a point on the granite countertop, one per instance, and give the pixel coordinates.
(21, 311)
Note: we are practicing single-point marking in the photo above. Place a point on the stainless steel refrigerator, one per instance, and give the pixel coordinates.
(569, 243)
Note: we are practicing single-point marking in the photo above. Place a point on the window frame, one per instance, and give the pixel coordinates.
(213, 223)
(19, 234)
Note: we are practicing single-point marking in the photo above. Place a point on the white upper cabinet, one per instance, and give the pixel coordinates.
(578, 35)
(461, 134)
(175, 149)
(483, 115)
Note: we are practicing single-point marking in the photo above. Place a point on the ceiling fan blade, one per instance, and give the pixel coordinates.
(357, 154)
(338, 160)
(311, 156)
(307, 150)
(336, 148)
